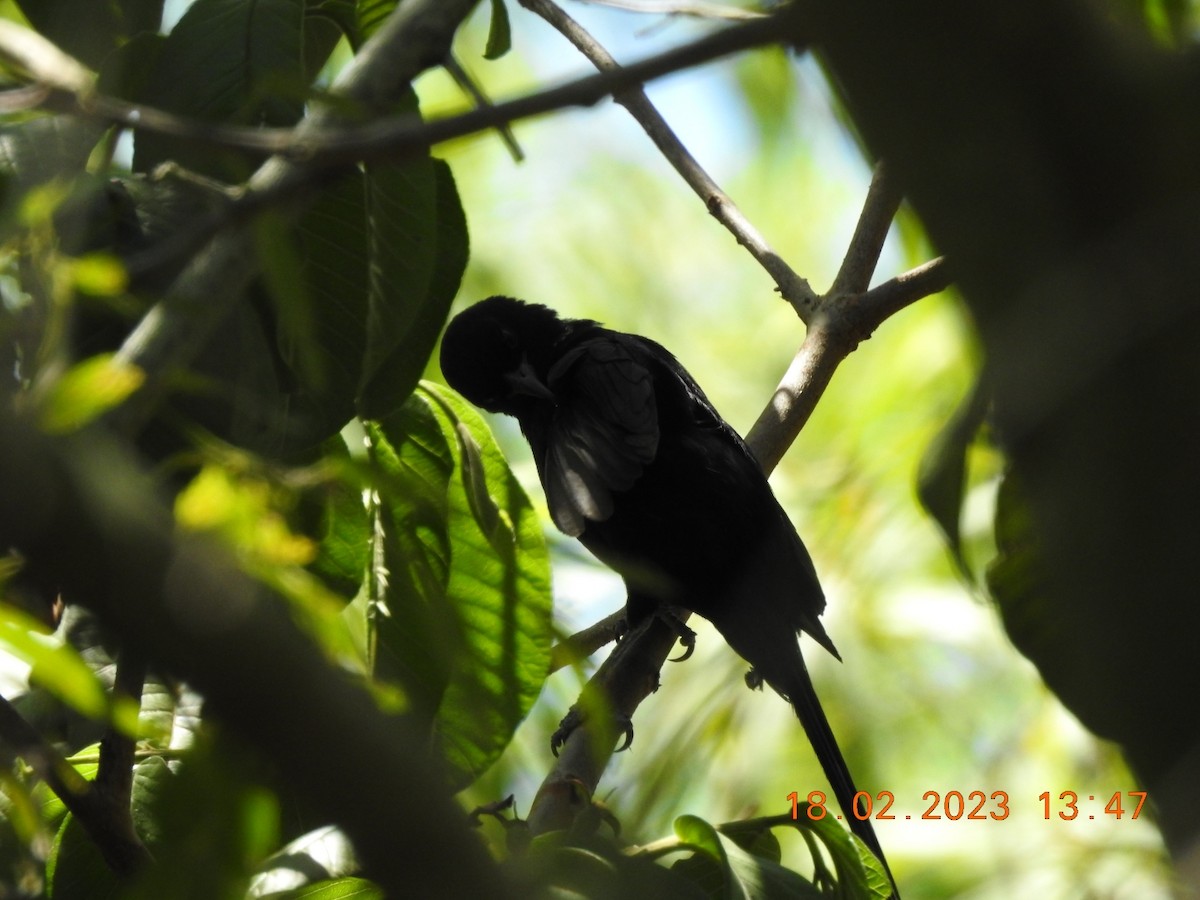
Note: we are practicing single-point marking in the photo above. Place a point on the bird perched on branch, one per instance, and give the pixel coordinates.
(638, 465)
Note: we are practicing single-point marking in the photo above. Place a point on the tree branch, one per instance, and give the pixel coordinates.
(325, 140)
(417, 35)
(78, 507)
(122, 850)
(862, 256)
(792, 286)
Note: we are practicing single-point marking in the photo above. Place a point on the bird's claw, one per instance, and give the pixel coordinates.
(687, 637)
(574, 718)
(754, 681)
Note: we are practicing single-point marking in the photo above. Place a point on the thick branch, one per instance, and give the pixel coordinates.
(791, 286)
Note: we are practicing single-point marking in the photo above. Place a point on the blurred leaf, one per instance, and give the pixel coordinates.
(55, 666)
(99, 274)
(472, 616)
(244, 512)
(725, 869)
(942, 476)
(226, 61)
(499, 39)
(307, 863)
(88, 30)
(371, 14)
(211, 810)
(324, 24)
(767, 79)
(344, 548)
(341, 889)
(87, 390)
(76, 869)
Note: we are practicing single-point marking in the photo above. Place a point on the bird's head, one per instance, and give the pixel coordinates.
(498, 351)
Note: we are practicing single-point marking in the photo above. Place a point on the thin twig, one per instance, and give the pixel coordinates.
(862, 256)
(791, 286)
(692, 8)
(840, 328)
(325, 140)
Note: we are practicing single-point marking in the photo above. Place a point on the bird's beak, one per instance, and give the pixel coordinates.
(523, 380)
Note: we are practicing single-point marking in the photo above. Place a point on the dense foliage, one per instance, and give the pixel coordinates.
(275, 601)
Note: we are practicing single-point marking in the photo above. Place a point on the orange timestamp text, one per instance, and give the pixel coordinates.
(974, 805)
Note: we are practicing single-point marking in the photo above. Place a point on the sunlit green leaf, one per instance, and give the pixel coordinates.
(242, 511)
(339, 889)
(54, 665)
(87, 390)
(476, 602)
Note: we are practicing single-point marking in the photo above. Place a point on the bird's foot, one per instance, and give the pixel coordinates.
(687, 637)
(574, 718)
(754, 681)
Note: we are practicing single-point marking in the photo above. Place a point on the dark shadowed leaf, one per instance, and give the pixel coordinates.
(499, 40)
(418, 246)
(226, 61)
(942, 477)
(88, 30)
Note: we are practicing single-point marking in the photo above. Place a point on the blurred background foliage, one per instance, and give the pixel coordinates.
(932, 695)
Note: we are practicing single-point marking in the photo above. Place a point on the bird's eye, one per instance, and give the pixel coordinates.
(509, 338)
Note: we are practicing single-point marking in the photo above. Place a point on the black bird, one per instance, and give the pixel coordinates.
(638, 465)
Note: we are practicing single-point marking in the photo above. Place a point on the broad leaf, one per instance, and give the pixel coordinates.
(226, 61)
(89, 30)
(469, 553)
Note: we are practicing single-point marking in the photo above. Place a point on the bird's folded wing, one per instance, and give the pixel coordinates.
(604, 433)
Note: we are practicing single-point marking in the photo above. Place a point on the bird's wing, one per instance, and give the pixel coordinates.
(604, 432)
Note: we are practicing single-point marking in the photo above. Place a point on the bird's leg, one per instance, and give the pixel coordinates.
(673, 617)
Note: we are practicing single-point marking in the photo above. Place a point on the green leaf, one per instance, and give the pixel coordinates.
(344, 548)
(499, 39)
(76, 869)
(55, 666)
(88, 30)
(338, 889)
(226, 61)
(725, 869)
(419, 253)
(371, 14)
(474, 608)
(213, 824)
(942, 475)
(327, 357)
(86, 390)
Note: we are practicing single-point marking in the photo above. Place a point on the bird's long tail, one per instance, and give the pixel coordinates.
(808, 709)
